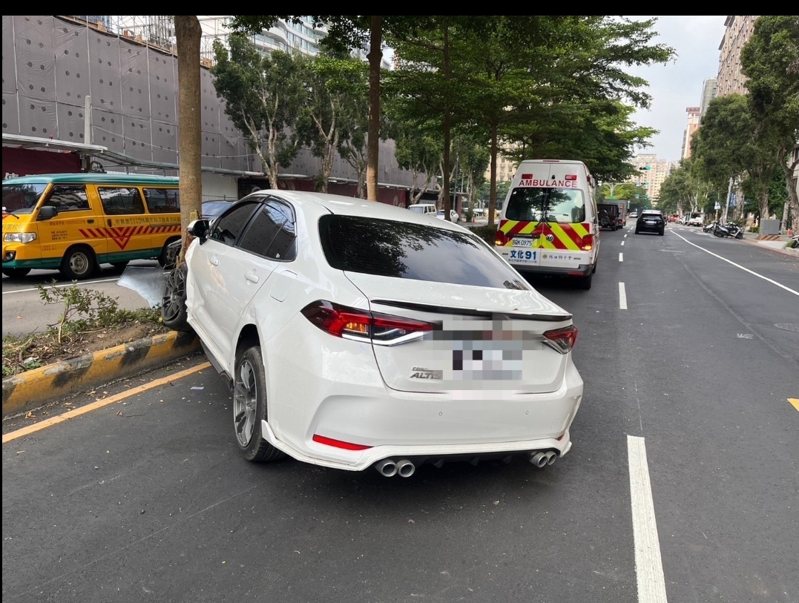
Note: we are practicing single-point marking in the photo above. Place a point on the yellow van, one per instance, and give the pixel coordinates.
(74, 222)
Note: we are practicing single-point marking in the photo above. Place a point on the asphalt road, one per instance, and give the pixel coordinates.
(24, 311)
(148, 499)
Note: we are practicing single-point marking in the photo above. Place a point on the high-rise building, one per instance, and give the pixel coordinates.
(694, 115)
(709, 92)
(737, 33)
(650, 173)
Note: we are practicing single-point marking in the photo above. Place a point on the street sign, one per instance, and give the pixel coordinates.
(717, 205)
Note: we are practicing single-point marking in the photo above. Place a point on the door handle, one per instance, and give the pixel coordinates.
(109, 221)
(251, 276)
(214, 260)
(90, 220)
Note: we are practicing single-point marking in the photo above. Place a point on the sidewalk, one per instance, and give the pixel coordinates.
(775, 245)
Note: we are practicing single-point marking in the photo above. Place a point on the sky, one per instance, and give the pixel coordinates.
(678, 84)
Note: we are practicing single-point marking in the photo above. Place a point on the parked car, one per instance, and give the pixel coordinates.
(423, 208)
(453, 215)
(357, 334)
(650, 220)
(696, 220)
(633, 215)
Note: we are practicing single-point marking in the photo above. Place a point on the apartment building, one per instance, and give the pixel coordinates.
(650, 173)
(737, 33)
(694, 115)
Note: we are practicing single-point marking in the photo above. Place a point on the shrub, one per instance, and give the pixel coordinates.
(487, 233)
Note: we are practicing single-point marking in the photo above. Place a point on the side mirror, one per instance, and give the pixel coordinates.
(199, 229)
(47, 212)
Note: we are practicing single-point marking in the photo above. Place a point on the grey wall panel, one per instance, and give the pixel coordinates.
(10, 115)
(9, 69)
(134, 80)
(137, 138)
(107, 129)
(37, 117)
(165, 141)
(163, 87)
(104, 71)
(210, 150)
(33, 40)
(165, 138)
(228, 151)
(72, 82)
(70, 122)
(210, 103)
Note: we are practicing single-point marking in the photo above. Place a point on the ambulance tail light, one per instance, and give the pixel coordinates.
(501, 239)
(571, 177)
(587, 242)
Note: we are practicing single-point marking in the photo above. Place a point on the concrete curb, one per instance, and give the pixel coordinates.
(770, 245)
(33, 388)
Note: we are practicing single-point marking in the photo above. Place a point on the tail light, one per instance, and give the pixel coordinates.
(362, 325)
(587, 242)
(501, 239)
(561, 340)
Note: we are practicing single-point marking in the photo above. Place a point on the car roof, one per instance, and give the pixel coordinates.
(319, 204)
(651, 211)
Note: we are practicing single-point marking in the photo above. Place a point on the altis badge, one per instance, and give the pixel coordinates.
(418, 372)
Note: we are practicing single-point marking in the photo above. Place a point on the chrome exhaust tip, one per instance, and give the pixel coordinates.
(539, 459)
(405, 468)
(551, 457)
(386, 468)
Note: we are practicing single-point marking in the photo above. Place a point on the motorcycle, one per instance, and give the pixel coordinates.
(728, 230)
(709, 226)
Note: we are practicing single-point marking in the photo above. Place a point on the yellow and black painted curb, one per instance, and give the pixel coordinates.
(33, 388)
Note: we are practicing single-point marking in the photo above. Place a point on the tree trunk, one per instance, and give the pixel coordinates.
(492, 196)
(447, 135)
(373, 137)
(187, 34)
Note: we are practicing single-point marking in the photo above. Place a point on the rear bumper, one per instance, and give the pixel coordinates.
(580, 270)
(411, 425)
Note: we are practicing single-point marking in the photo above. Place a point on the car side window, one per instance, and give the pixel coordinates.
(68, 197)
(271, 233)
(229, 227)
(121, 200)
(162, 200)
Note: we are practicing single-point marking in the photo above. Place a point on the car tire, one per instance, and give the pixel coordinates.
(637, 231)
(164, 255)
(585, 282)
(16, 272)
(78, 263)
(249, 407)
(173, 301)
(660, 232)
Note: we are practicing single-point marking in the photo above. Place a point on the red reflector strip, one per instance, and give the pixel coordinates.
(338, 443)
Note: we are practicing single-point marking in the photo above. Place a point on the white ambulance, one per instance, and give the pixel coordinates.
(549, 221)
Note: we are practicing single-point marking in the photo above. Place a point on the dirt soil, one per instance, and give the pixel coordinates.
(48, 350)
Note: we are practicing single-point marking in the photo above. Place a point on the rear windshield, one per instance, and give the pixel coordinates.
(21, 198)
(415, 251)
(648, 216)
(565, 205)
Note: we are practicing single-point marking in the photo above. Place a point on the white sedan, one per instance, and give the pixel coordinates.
(357, 334)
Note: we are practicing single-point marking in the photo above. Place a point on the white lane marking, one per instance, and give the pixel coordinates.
(648, 564)
(621, 257)
(752, 272)
(622, 297)
(622, 243)
(105, 280)
(625, 236)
